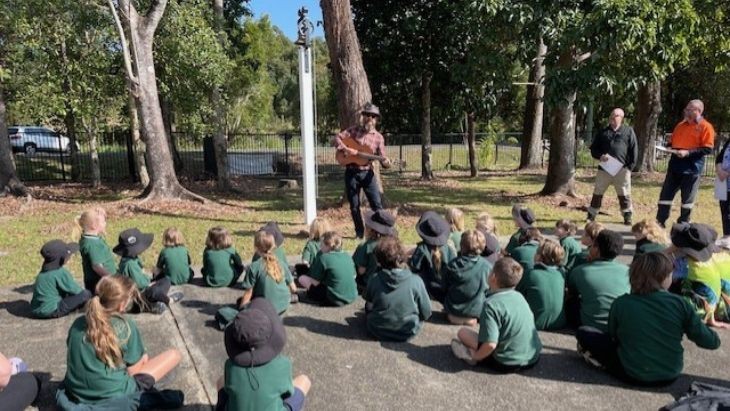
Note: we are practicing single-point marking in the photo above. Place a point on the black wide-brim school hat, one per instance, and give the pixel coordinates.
(433, 229)
(256, 336)
(522, 214)
(380, 221)
(272, 227)
(695, 240)
(133, 242)
(56, 252)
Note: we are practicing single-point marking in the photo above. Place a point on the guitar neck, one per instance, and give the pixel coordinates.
(370, 156)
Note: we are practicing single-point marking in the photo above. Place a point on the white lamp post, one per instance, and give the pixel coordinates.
(306, 105)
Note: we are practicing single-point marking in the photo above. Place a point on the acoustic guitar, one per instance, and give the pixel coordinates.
(363, 157)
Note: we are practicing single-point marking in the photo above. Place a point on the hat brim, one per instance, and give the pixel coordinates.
(275, 232)
(376, 226)
(436, 241)
(699, 255)
(244, 357)
(371, 113)
(144, 241)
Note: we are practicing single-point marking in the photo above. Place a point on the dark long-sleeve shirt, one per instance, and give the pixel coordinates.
(620, 144)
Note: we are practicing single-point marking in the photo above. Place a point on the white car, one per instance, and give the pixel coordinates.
(32, 139)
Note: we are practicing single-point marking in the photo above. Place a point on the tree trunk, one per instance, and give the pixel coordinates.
(163, 179)
(9, 181)
(353, 89)
(471, 141)
(69, 119)
(649, 107)
(168, 120)
(426, 169)
(93, 151)
(561, 166)
(137, 144)
(531, 152)
(220, 140)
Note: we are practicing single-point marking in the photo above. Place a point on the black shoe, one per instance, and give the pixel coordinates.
(627, 218)
(175, 297)
(158, 308)
(590, 217)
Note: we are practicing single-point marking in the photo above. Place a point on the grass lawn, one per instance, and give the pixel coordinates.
(26, 226)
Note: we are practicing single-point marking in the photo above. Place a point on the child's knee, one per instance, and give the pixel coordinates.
(303, 383)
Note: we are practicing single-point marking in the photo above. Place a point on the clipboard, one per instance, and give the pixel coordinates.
(611, 166)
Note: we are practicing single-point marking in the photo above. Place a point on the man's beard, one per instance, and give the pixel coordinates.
(368, 125)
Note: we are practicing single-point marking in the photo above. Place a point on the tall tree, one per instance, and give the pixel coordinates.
(220, 140)
(531, 145)
(9, 181)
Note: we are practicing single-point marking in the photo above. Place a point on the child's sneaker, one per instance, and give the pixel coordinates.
(17, 365)
(461, 351)
(294, 298)
(588, 357)
(175, 297)
(158, 308)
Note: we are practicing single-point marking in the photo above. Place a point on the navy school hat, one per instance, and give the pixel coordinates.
(433, 229)
(133, 242)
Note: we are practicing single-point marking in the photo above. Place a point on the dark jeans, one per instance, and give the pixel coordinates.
(725, 214)
(688, 185)
(605, 350)
(21, 391)
(355, 180)
(157, 292)
(572, 311)
(71, 303)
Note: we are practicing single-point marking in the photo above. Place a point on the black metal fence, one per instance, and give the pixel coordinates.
(279, 154)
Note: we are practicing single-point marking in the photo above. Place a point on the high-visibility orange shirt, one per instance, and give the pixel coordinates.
(689, 136)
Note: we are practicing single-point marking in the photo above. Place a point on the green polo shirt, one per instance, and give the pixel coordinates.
(397, 305)
(220, 267)
(544, 290)
(644, 246)
(507, 321)
(466, 286)
(95, 251)
(580, 259)
(261, 388)
(49, 289)
(455, 238)
(364, 257)
(311, 248)
(132, 267)
(598, 283)
(572, 249)
(514, 241)
(525, 255)
(264, 285)
(174, 263)
(336, 270)
(89, 379)
(649, 330)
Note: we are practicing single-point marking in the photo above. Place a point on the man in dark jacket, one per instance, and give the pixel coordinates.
(615, 142)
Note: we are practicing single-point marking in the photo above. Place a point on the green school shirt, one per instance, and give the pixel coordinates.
(88, 378)
(598, 284)
(311, 248)
(572, 250)
(280, 253)
(525, 255)
(455, 238)
(264, 286)
(220, 267)
(422, 262)
(95, 251)
(398, 304)
(261, 388)
(465, 282)
(49, 289)
(649, 330)
(580, 259)
(174, 263)
(336, 270)
(544, 290)
(364, 256)
(507, 321)
(132, 267)
(644, 246)
(514, 241)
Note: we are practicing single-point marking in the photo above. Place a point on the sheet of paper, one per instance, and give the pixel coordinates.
(666, 149)
(611, 166)
(720, 190)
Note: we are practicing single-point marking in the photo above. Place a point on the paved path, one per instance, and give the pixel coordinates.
(349, 370)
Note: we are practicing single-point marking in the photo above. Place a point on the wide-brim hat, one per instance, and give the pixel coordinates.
(370, 108)
(133, 242)
(272, 227)
(523, 216)
(256, 336)
(55, 252)
(380, 221)
(433, 229)
(695, 240)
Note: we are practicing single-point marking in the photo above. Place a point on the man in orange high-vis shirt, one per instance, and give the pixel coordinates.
(693, 138)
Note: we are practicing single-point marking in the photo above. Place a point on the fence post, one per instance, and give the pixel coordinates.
(400, 157)
(61, 152)
(450, 164)
(496, 153)
(287, 140)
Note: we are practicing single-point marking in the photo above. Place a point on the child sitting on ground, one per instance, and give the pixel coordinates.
(590, 232)
(267, 277)
(565, 230)
(455, 218)
(331, 279)
(396, 300)
(544, 287)
(174, 259)
(55, 293)
(257, 376)
(317, 229)
(97, 259)
(378, 224)
(132, 243)
(465, 281)
(524, 218)
(432, 253)
(643, 345)
(592, 287)
(650, 236)
(272, 227)
(106, 364)
(18, 388)
(222, 265)
(525, 252)
(507, 340)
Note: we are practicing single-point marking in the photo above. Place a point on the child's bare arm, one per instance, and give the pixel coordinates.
(484, 351)
(361, 270)
(6, 370)
(247, 295)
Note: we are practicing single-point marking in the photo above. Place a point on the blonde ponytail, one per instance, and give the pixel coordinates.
(436, 258)
(265, 245)
(271, 265)
(111, 293)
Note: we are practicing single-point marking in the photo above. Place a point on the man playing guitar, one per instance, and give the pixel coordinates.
(359, 174)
